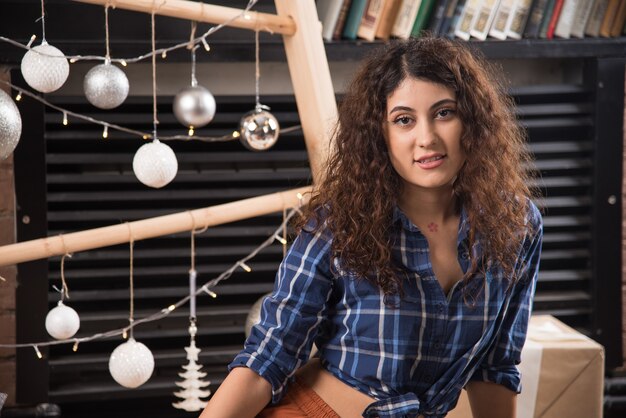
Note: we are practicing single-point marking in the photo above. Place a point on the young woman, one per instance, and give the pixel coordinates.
(416, 264)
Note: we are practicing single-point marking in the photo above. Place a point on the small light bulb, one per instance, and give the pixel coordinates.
(191, 131)
(164, 54)
(247, 16)
(146, 136)
(73, 60)
(281, 239)
(236, 134)
(299, 196)
(209, 292)
(206, 44)
(39, 355)
(124, 334)
(171, 308)
(75, 347)
(64, 119)
(105, 132)
(19, 96)
(124, 63)
(32, 38)
(245, 266)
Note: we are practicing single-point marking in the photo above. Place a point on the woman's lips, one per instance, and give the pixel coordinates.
(430, 162)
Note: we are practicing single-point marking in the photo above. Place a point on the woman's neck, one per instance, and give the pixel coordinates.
(429, 209)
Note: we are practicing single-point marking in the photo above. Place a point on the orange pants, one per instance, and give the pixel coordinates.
(299, 402)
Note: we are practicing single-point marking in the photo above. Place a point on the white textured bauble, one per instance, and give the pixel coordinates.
(10, 125)
(62, 322)
(131, 364)
(155, 164)
(106, 86)
(194, 106)
(45, 68)
(258, 130)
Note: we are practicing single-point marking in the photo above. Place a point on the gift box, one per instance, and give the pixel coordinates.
(562, 374)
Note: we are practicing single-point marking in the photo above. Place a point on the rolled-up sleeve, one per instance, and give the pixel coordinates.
(291, 315)
(500, 363)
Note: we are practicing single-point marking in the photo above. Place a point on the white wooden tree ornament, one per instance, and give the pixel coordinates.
(193, 384)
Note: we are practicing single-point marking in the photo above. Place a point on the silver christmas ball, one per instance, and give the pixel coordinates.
(106, 86)
(194, 106)
(45, 68)
(10, 125)
(258, 130)
(131, 364)
(62, 322)
(155, 164)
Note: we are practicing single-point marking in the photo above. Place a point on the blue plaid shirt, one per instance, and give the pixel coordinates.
(413, 357)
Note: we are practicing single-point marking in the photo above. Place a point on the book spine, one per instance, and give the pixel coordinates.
(406, 16)
(566, 19)
(370, 20)
(620, 19)
(390, 12)
(444, 30)
(609, 17)
(341, 20)
(328, 13)
(545, 21)
(558, 6)
(595, 20)
(423, 16)
(518, 18)
(354, 18)
(486, 14)
(467, 18)
(439, 14)
(498, 29)
(535, 18)
(582, 16)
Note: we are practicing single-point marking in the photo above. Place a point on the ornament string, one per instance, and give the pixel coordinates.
(65, 293)
(142, 134)
(192, 47)
(43, 24)
(205, 288)
(154, 95)
(131, 316)
(284, 241)
(257, 69)
(107, 58)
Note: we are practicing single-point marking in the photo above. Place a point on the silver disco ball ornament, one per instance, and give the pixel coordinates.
(155, 164)
(131, 364)
(45, 68)
(106, 86)
(258, 129)
(194, 106)
(10, 125)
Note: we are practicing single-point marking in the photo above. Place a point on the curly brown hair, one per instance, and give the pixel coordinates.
(360, 186)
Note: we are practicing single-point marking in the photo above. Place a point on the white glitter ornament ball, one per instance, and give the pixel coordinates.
(155, 164)
(194, 106)
(258, 130)
(62, 322)
(131, 364)
(106, 86)
(10, 125)
(45, 68)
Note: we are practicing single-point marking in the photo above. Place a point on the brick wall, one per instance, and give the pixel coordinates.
(9, 273)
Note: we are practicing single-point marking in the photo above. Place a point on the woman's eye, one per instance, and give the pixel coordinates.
(403, 121)
(445, 113)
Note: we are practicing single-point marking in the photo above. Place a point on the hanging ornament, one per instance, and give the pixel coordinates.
(10, 125)
(258, 129)
(62, 322)
(106, 86)
(192, 385)
(131, 364)
(194, 106)
(155, 164)
(45, 68)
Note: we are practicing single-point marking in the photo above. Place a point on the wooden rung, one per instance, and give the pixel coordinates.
(198, 11)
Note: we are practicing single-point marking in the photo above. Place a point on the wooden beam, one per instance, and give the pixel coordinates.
(311, 80)
(149, 228)
(198, 11)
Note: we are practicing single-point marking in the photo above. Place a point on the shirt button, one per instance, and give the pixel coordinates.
(428, 378)
(437, 345)
(465, 255)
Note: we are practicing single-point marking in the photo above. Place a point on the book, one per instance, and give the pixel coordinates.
(595, 20)
(357, 8)
(498, 29)
(434, 26)
(466, 19)
(545, 21)
(448, 18)
(389, 14)
(328, 13)
(486, 14)
(582, 16)
(558, 6)
(370, 20)
(406, 17)
(609, 16)
(423, 16)
(620, 19)
(341, 20)
(518, 18)
(566, 19)
(537, 12)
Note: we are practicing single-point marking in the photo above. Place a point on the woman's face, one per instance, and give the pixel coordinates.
(423, 133)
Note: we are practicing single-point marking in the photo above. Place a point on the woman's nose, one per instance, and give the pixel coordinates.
(425, 135)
